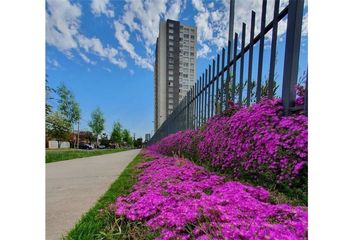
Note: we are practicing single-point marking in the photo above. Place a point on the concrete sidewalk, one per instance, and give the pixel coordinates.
(73, 186)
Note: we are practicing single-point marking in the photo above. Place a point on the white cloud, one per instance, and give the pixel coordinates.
(62, 32)
(99, 7)
(62, 23)
(107, 69)
(131, 72)
(123, 36)
(203, 52)
(85, 58)
(211, 5)
(174, 10)
(213, 24)
(94, 45)
(53, 63)
(198, 4)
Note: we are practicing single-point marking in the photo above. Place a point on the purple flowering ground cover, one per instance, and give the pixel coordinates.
(257, 144)
(181, 200)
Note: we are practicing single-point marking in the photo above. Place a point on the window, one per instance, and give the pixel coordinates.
(170, 60)
(170, 37)
(192, 53)
(192, 30)
(185, 64)
(185, 75)
(171, 49)
(192, 36)
(170, 72)
(170, 43)
(186, 36)
(170, 84)
(192, 65)
(170, 106)
(192, 48)
(170, 66)
(185, 53)
(170, 90)
(170, 54)
(170, 30)
(192, 71)
(170, 95)
(170, 24)
(170, 78)
(170, 101)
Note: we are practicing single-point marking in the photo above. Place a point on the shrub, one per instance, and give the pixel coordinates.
(258, 144)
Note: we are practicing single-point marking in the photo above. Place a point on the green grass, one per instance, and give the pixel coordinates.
(67, 154)
(100, 221)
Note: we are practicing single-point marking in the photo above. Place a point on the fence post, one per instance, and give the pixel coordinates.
(250, 60)
(212, 90)
(271, 79)
(306, 94)
(222, 84)
(292, 50)
(242, 62)
(261, 48)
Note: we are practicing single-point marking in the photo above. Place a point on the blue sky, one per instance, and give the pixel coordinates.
(103, 50)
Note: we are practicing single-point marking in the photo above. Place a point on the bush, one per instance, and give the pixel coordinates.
(257, 144)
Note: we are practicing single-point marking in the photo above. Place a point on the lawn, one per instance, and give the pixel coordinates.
(99, 223)
(55, 155)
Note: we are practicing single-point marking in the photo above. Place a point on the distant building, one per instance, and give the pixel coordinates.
(147, 137)
(175, 68)
(85, 137)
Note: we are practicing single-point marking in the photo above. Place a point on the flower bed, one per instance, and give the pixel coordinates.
(256, 143)
(182, 200)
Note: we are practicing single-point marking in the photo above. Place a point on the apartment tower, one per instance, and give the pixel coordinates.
(175, 68)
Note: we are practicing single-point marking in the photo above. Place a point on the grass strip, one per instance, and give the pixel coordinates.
(68, 154)
(97, 222)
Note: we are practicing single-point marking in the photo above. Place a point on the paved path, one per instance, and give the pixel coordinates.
(73, 186)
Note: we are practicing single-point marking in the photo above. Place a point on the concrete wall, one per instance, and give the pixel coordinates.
(55, 144)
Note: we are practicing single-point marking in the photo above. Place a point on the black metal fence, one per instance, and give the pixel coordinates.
(217, 85)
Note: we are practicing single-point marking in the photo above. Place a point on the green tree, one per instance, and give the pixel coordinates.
(117, 135)
(138, 143)
(48, 97)
(69, 108)
(127, 138)
(97, 123)
(65, 101)
(76, 116)
(58, 127)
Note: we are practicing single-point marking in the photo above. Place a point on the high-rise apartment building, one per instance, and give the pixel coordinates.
(175, 68)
